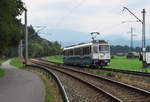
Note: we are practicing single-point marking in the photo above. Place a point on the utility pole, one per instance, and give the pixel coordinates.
(20, 50)
(132, 35)
(143, 34)
(26, 39)
(143, 37)
(21, 56)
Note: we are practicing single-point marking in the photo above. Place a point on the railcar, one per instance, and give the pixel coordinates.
(96, 53)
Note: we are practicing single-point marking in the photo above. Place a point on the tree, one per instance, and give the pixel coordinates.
(39, 47)
(10, 26)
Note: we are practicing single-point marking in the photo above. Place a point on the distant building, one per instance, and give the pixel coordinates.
(133, 55)
(119, 54)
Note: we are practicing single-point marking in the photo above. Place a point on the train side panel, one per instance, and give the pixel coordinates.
(77, 60)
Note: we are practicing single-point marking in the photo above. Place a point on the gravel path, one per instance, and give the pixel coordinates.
(20, 86)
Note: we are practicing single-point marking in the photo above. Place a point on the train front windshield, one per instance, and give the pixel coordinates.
(104, 48)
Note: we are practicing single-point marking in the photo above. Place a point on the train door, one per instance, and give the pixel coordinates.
(95, 52)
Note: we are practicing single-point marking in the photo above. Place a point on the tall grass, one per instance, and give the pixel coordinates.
(1, 70)
(17, 63)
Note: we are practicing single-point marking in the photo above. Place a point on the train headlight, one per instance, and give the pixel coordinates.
(102, 55)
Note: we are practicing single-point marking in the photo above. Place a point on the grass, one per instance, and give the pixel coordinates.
(52, 93)
(1, 70)
(120, 62)
(110, 74)
(17, 63)
(58, 59)
(2, 61)
(48, 97)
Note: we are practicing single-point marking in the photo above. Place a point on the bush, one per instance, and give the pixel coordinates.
(112, 57)
(110, 74)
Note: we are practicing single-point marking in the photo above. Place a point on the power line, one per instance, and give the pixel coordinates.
(40, 28)
(110, 27)
(69, 13)
(132, 35)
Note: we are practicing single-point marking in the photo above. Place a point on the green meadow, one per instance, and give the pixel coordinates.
(121, 62)
(118, 62)
(58, 59)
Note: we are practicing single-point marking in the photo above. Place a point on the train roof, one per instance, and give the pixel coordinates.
(86, 44)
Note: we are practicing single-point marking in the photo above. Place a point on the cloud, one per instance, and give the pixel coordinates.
(87, 15)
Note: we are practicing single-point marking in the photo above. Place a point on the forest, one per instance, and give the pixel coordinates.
(10, 25)
(38, 47)
(12, 32)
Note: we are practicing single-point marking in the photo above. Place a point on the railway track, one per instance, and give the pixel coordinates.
(145, 74)
(120, 90)
(94, 93)
(138, 79)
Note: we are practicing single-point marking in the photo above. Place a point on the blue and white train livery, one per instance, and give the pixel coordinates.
(96, 53)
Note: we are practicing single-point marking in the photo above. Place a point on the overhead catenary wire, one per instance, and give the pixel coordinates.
(68, 14)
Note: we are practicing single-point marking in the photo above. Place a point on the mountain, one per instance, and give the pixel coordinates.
(70, 37)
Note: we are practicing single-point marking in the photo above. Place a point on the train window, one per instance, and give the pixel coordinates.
(81, 51)
(86, 50)
(64, 53)
(90, 50)
(77, 51)
(104, 48)
(95, 49)
(71, 52)
(67, 52)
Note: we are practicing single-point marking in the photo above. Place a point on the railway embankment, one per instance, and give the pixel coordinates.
(125, 93)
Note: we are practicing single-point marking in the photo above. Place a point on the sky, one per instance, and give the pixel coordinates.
(86, 16)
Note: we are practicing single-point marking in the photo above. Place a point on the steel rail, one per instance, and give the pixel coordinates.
(145, 74)
(141, 91)
(114, 98)
(49, 73)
